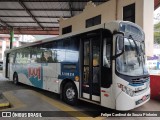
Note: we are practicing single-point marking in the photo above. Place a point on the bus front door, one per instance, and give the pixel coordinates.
(90, 85)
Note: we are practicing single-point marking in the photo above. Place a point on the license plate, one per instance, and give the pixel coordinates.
(144, 98)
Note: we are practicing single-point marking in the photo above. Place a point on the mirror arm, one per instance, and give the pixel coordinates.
(117, 55)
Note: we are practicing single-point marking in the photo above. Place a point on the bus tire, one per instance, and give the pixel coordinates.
(70, 94)
(15, 79)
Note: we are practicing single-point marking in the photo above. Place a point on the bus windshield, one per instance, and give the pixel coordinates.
(132, 61)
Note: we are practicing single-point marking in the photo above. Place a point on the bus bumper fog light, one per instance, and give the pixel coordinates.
(127, 90)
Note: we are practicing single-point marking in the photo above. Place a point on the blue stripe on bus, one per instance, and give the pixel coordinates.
(68, 73)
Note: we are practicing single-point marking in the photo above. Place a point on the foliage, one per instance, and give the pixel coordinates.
(157, 33)
(157, 26)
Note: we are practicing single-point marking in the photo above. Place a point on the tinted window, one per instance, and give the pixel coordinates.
(67, 30)
(93, 21)
(69, 51)
(57, 51)
(129, 13)
(47, 50)
(22, 56)
(65, 50)
(35, 54)
(12, 57)
(66, 44)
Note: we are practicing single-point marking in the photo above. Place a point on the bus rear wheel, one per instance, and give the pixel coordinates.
(15, 79)
(70, 94)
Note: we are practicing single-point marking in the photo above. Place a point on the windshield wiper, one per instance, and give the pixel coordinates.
(138, 54)
(137, 50)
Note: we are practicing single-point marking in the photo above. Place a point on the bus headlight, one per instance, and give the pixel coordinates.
(125, 89)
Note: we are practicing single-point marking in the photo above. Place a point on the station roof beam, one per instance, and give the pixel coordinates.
(26, 9)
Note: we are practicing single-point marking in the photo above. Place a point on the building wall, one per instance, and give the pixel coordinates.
(148, 25)
(106, 10)
(113, 10)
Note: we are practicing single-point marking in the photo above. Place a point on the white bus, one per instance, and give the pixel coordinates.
(103, 64)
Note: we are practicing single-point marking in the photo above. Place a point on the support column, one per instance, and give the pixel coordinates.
(11, 37)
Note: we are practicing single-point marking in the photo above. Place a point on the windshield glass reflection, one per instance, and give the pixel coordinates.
(132, 61)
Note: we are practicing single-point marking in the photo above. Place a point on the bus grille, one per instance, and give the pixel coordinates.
(140, 80)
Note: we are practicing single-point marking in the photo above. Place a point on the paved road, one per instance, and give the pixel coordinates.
(83, 106)
(6, 85)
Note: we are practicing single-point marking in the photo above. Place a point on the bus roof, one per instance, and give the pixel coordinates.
(114, 26)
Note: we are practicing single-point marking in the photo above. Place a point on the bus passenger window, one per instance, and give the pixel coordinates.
(12, 57)
(47, 57)
(33, 58)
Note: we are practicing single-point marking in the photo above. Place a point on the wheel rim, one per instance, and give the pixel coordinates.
(70, 93)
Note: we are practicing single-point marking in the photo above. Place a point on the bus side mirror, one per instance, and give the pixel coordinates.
(120, 44)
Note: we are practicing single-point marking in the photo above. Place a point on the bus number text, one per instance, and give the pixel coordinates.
(35, 72)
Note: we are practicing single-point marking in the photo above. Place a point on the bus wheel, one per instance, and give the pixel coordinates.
(15, 79)
(70, 94)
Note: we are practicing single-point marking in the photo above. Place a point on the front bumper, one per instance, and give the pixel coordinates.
(125, 102)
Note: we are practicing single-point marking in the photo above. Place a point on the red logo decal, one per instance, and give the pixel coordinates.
(106, 95)
(36, 72)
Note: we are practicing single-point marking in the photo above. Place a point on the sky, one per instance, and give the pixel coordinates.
(157, 15)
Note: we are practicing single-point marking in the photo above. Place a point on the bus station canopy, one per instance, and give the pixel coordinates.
(40, 16)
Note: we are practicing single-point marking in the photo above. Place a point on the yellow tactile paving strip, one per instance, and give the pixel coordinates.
(14, 101)
(4, 104)
(65, 107)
